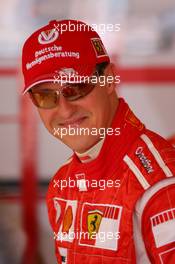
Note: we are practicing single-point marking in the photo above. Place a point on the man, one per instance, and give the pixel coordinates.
(114, 199)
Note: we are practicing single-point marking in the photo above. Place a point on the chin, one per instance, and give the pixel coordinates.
(80, 143)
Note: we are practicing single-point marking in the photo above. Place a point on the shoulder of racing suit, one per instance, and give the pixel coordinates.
(152, 161)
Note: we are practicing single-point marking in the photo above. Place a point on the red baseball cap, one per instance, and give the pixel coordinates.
(59, 48)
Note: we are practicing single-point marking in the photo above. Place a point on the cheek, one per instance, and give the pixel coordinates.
(98, 104)
(46, 117)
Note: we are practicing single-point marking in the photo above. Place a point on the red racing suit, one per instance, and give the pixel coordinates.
(120, 207)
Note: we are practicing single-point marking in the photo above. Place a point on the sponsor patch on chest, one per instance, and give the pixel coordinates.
(144, 160)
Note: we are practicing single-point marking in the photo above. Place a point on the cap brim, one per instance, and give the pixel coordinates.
(37, 82)
(82, 71)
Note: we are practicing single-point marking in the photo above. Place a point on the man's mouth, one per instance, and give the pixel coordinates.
(74, 122)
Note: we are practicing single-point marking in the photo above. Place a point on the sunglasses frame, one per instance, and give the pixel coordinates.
(57, 92)
(98, 73)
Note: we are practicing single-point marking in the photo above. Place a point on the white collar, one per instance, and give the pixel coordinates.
(91, 153)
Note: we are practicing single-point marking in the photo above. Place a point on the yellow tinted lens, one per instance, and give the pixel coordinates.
(45, 99)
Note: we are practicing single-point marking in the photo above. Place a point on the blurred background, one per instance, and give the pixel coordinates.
(144, 52)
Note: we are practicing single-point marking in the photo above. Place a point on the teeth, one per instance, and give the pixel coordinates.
(73, 122)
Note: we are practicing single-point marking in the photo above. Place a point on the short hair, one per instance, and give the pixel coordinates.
(100, 68)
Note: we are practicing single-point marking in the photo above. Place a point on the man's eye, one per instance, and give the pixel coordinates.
(43, 91)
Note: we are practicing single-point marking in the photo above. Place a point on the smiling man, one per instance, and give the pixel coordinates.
(77, 110)
(114, 199)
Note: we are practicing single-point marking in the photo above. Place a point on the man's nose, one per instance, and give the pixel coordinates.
(65, 108)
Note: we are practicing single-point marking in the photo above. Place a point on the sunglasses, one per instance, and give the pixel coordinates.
(47, 98)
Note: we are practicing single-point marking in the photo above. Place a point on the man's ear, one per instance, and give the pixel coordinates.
(111, 77)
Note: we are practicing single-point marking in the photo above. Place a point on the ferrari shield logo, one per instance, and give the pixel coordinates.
(98, 47)
(97, 221)
(94, 220)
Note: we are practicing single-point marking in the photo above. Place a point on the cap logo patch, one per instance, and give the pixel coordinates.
(98, 47)
(67, 72)
(48, 36)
